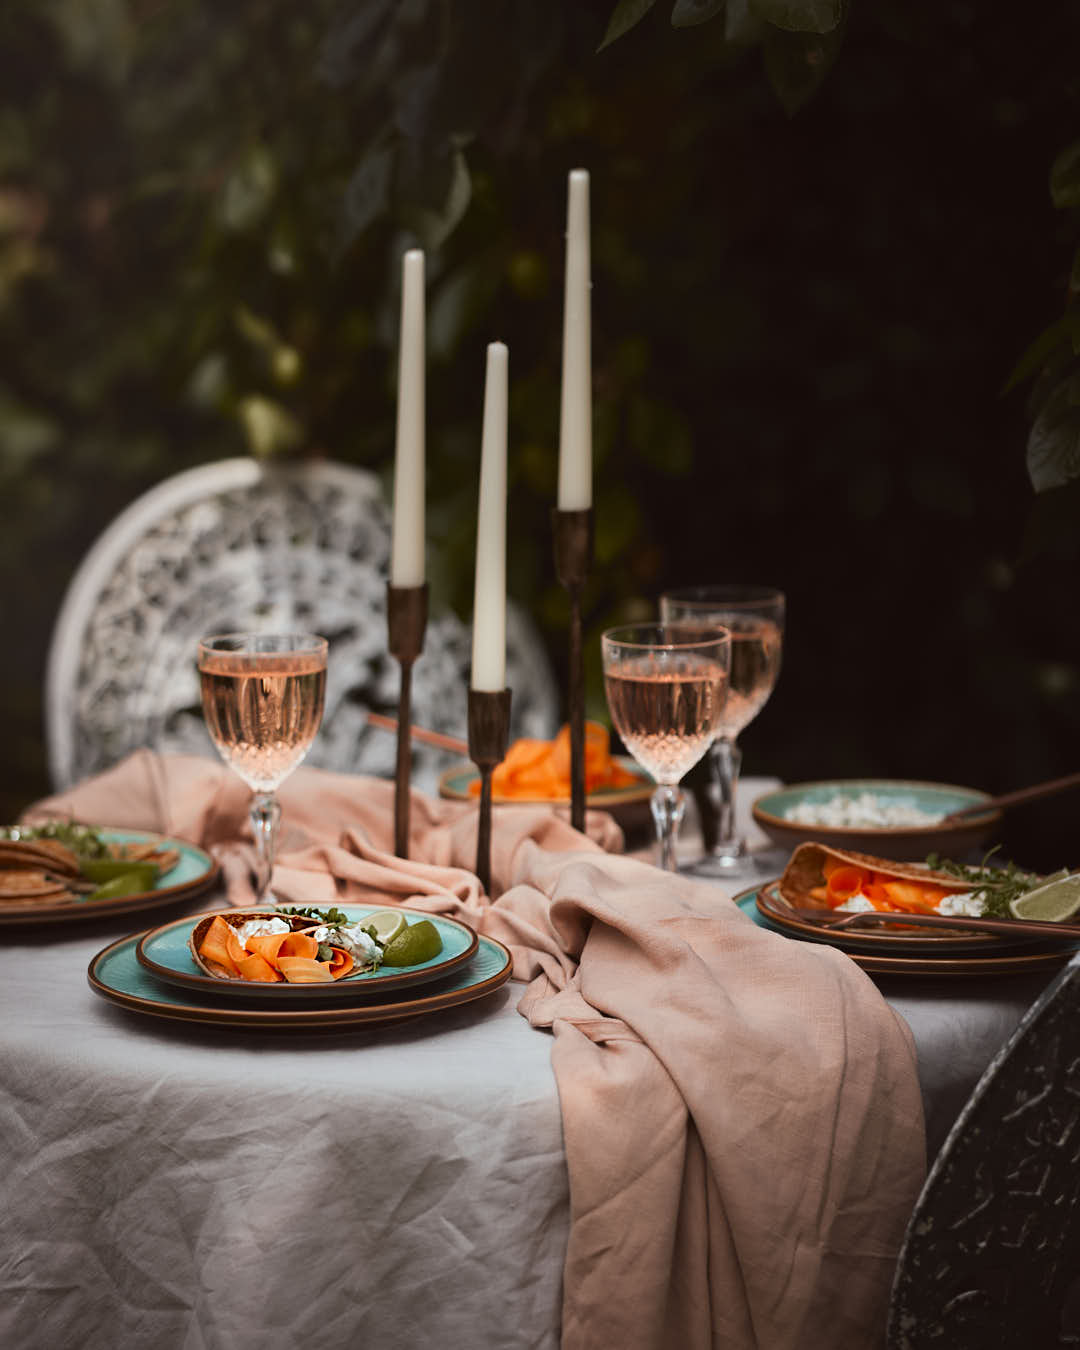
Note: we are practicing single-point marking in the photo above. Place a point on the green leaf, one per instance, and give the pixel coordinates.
(1053, 449)
(1040, 351)
(248, 189)
(1065, 177)
(796, 63)
(624, 16)
(687, 13)
(434, 226)
(368, 193)
(801, 16)
(742, 27)
(270, 428)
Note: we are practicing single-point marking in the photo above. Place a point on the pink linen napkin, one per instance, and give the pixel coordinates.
(741, 1113)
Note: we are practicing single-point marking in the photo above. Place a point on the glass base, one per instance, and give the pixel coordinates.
(736, 870)
(714, 867)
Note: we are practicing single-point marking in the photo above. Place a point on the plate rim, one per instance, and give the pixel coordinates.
(600, 800)
(340, 990)
(27, 913)
(346, 1015)
(911, 963)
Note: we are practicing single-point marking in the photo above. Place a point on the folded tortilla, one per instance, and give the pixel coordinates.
(808, 867)
(271, 958)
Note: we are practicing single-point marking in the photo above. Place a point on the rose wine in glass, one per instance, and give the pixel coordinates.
(754, 615)
(262, 696)
(666, 685)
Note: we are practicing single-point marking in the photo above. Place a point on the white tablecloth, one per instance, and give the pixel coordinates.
(170, 1185)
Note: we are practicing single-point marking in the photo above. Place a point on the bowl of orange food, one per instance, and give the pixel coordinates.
(538, 772)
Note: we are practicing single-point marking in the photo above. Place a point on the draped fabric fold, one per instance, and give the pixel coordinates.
(741, 1112)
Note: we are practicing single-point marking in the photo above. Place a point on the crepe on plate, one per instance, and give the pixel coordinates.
(268, 958)
(820, 877)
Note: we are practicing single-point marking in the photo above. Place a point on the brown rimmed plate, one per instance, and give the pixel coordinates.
(165, 953)
(194, 873)
(116, 975)
(999, 958)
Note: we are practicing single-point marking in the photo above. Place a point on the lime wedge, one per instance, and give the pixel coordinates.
(1055, 902)
(418, 943)
(388, 923)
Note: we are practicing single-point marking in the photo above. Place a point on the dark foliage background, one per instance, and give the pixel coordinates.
(812, 279)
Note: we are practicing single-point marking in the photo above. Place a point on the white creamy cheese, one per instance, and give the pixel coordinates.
(360, 945)
(970, 903)
(260, 928)
(856, 904)
(865, 811)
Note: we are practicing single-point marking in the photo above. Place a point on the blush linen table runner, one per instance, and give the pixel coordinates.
(741, 1113)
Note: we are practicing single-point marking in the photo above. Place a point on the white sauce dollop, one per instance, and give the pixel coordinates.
(260, 928)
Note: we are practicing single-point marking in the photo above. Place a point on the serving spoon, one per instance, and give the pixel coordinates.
(1021, 795)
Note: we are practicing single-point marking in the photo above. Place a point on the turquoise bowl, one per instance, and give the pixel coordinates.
(902, 843)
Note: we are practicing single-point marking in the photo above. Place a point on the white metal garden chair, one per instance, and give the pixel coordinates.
(239, 545)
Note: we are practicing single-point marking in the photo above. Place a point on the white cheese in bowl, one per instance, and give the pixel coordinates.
(861, 812)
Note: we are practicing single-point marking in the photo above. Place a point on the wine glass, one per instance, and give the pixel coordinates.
(262, 697)
(754, 615)
(665, 685)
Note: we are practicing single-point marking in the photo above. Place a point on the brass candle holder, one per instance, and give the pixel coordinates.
(406, 618)
(573, 533)
(489, 730)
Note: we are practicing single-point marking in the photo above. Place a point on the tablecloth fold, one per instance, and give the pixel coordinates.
(741, 1112)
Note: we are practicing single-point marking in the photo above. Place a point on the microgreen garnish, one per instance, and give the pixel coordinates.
(997, 885)
(332, 917)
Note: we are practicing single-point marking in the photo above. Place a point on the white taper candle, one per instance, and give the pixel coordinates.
(575, 424)
(489, 597)
(407, 546)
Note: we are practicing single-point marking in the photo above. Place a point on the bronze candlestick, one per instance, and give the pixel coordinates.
(406, 617)
(489, 729)
(573, 531)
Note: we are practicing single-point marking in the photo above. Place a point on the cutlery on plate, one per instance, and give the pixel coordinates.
(1051, 931)
(1017, 798)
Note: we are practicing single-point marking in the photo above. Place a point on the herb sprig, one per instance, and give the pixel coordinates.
(332, 917)
(997, 885)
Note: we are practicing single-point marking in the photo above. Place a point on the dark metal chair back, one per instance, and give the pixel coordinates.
(992, 1252)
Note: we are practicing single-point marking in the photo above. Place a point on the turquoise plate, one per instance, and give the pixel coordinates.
(116, 975)
(165, 952)
(195, 872)
(905, 843)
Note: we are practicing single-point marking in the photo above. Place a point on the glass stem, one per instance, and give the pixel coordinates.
(726, 758)
(668, 808)
(264, 815)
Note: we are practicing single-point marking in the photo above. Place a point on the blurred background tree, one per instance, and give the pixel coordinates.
(821, 239)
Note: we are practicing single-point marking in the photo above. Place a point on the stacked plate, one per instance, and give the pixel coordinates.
(896, 950)
(154, 973)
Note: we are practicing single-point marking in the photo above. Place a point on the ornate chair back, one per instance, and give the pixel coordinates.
(238, 545)
(992, 1252)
